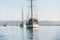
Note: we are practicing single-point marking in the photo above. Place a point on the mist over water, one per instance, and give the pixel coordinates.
(19, 33)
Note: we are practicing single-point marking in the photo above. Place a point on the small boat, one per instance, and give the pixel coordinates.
(32, 22)
(5, 24)
(21, 25)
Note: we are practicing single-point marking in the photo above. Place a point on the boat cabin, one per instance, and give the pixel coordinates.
(32, 21)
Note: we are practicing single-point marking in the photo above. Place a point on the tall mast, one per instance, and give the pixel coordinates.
(31, 9)
(22, 13)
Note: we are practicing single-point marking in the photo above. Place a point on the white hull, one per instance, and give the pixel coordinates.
(33, 26)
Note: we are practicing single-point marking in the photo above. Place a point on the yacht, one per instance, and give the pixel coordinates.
(32, 22)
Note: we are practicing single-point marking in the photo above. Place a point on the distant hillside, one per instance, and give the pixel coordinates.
(49, 23)
(11, 23)
(41, 23)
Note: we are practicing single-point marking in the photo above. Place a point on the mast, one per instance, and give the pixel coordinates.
(31, 9)
(22, 13)
(21, 25)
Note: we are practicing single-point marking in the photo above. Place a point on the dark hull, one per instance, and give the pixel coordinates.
(21, 25)
(29, 26)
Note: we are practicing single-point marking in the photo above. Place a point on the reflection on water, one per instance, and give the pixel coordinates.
(49, 33)
(35, 33)
(19, 33)
(29, 33)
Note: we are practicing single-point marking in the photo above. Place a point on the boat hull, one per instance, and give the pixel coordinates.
(33, 26)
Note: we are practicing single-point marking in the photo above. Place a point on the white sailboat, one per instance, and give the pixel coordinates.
(32, 23)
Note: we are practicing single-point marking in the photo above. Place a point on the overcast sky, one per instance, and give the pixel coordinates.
(43, 9)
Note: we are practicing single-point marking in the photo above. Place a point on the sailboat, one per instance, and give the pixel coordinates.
(32, 23)
(22, 23)
(5, 25)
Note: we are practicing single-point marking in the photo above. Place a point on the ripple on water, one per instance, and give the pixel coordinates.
(43, 33)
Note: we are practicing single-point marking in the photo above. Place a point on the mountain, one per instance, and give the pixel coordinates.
(10, 23)
(41, 23)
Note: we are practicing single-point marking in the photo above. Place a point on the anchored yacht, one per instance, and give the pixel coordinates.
(32, 23)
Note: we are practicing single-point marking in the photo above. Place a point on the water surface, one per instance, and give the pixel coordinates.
(19, 33)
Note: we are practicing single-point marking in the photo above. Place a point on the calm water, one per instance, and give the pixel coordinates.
(41, 33)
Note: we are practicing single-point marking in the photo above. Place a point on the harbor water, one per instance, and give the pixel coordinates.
(23, 33)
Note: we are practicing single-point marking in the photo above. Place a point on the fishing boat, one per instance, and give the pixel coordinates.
(32, 22)
(22, 23)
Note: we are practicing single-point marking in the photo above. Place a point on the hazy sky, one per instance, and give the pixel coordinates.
(45, 9)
